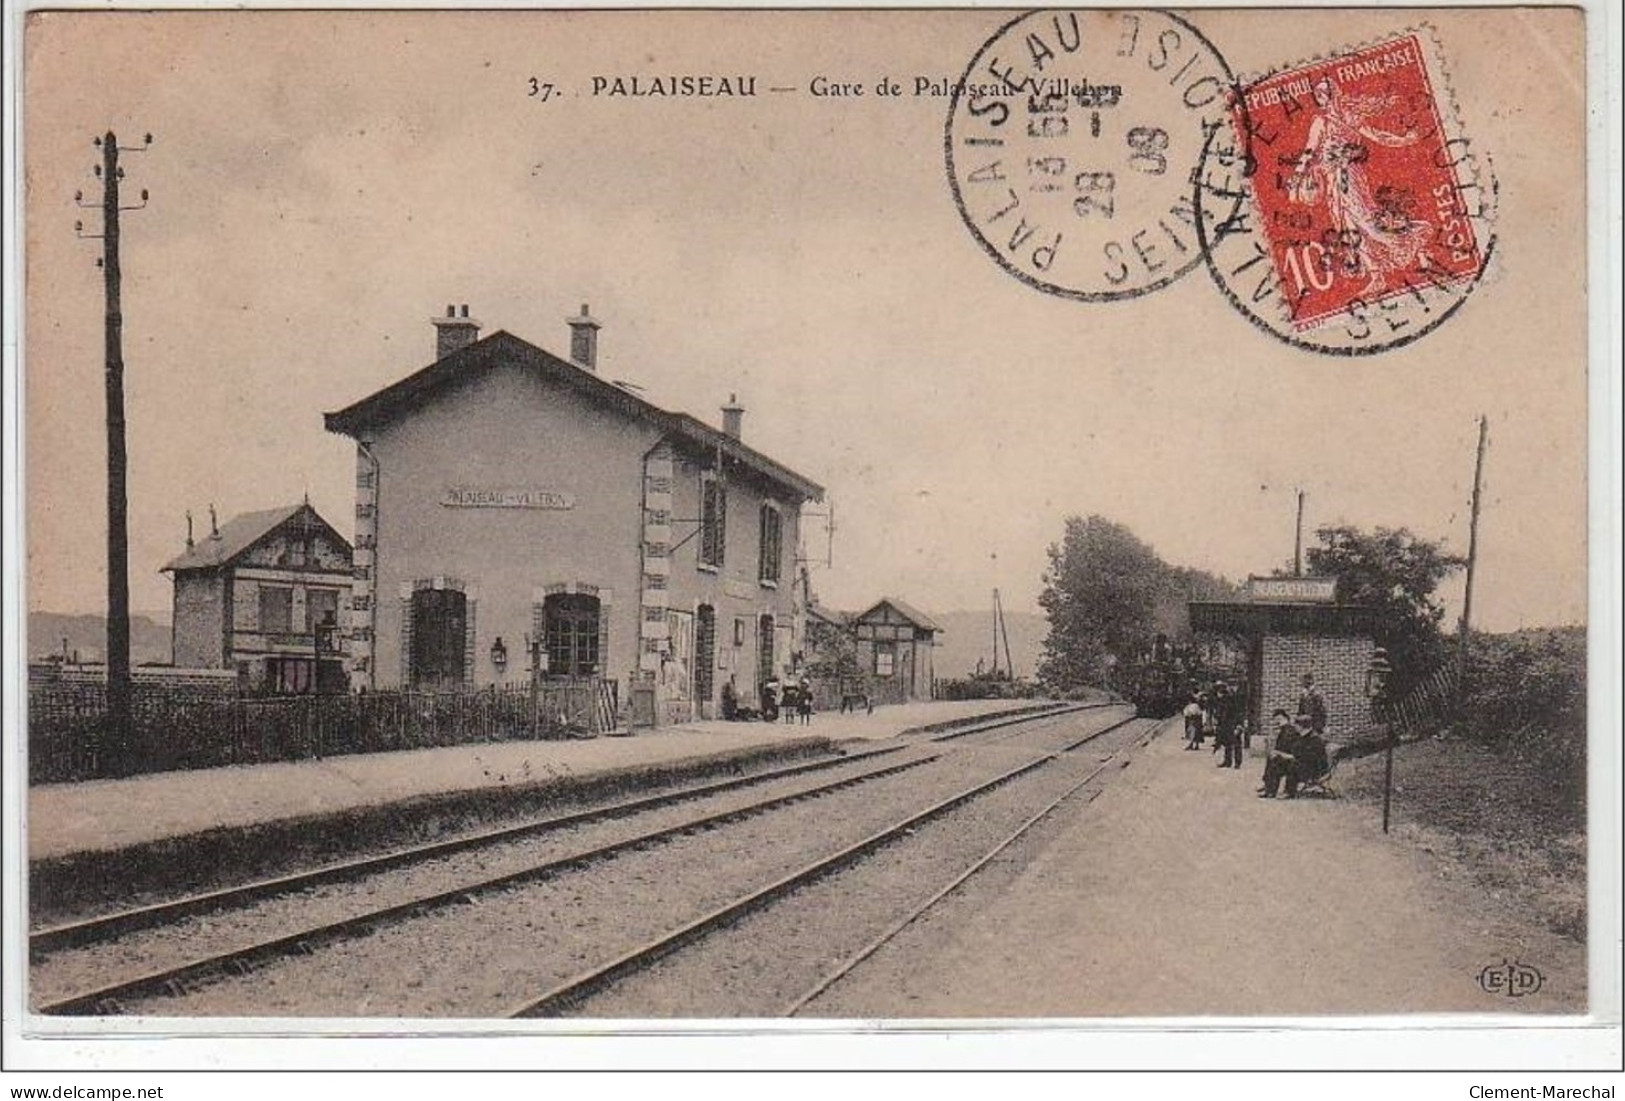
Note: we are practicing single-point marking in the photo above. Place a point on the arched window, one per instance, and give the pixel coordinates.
(764, 650)
(439, 637)
(705, 652)
(571, 630)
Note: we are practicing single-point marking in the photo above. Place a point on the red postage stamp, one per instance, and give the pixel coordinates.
(1355, 183)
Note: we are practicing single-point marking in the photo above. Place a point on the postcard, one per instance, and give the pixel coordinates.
(795, 523)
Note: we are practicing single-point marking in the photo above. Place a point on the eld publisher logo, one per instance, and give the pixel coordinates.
(1515, 979)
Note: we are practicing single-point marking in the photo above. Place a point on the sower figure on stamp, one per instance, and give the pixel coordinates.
(1372, 225)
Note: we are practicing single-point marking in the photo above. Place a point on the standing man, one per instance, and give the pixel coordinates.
(1230, 719)
(1312, 705)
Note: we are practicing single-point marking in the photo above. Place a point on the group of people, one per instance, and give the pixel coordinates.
(789, 699)
(1218, 713)
(1298, 754)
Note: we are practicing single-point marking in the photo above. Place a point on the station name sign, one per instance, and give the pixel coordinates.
(1308, 590)
(507, 497)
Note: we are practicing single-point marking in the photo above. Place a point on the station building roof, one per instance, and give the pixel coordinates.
(502, 347)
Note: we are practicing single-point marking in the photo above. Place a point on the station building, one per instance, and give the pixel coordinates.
(1289, 626)
(519, 516)
(266, 595)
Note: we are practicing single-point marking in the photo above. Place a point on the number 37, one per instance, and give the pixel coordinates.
(538, 90)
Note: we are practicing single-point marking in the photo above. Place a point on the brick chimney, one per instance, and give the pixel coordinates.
(454, 332)
(584, 339)
(732, 415)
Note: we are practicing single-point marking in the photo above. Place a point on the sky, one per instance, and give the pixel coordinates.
(323, 184)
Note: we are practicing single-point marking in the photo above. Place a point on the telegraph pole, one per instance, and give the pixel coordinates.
(1472, 563)
(1297, 542)
(119, 692)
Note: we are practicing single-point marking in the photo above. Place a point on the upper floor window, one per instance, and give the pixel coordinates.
(321, 606)
(276, 609)
(772, 544)
(713, 522)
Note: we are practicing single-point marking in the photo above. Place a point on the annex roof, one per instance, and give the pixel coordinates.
(242, 533)
(503, 347)
(913, 615)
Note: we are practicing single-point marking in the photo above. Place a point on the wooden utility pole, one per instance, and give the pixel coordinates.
(118, 548)
(995, 673)
(1297, 542)
(1472, 564)
(119, 692)
(1005, 634)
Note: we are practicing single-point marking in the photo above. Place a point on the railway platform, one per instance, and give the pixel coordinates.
(143, 834)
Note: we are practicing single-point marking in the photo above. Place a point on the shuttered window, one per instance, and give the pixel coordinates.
(772, 545)
(713, 522)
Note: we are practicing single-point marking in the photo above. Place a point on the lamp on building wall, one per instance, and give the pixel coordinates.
(499, 655)
(1376, 674)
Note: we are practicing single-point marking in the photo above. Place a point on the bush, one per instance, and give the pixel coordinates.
(1526, 697)
(986, 688)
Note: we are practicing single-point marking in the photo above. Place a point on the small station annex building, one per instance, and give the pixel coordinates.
(1289, 626)
(265, 594)
(519, 516)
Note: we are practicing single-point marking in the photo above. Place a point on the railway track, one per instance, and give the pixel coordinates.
(567, 997)
(176, 979)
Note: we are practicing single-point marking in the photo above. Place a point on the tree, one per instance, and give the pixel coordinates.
(831, 651)
(1100, 592)
(1395, 573)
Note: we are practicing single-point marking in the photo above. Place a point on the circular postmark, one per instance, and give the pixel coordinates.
(1342, 210)
(1072, 141)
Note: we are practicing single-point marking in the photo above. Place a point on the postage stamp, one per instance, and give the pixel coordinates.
(1071, 143)
(1368, 215)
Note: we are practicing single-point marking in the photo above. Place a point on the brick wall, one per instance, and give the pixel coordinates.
(1339, 666)
(200, 628)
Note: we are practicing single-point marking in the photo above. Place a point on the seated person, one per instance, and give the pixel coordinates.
(1299, 754)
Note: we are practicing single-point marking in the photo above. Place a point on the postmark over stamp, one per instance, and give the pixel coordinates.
(1367, 216)
(1071, 143)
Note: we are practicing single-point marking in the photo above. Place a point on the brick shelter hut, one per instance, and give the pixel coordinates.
(1289, 626)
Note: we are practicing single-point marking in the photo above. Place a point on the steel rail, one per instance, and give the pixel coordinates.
(96, 930)
(172, 980)
(960, 880)
(561, 998)
(106, 927)
(1068, 709)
